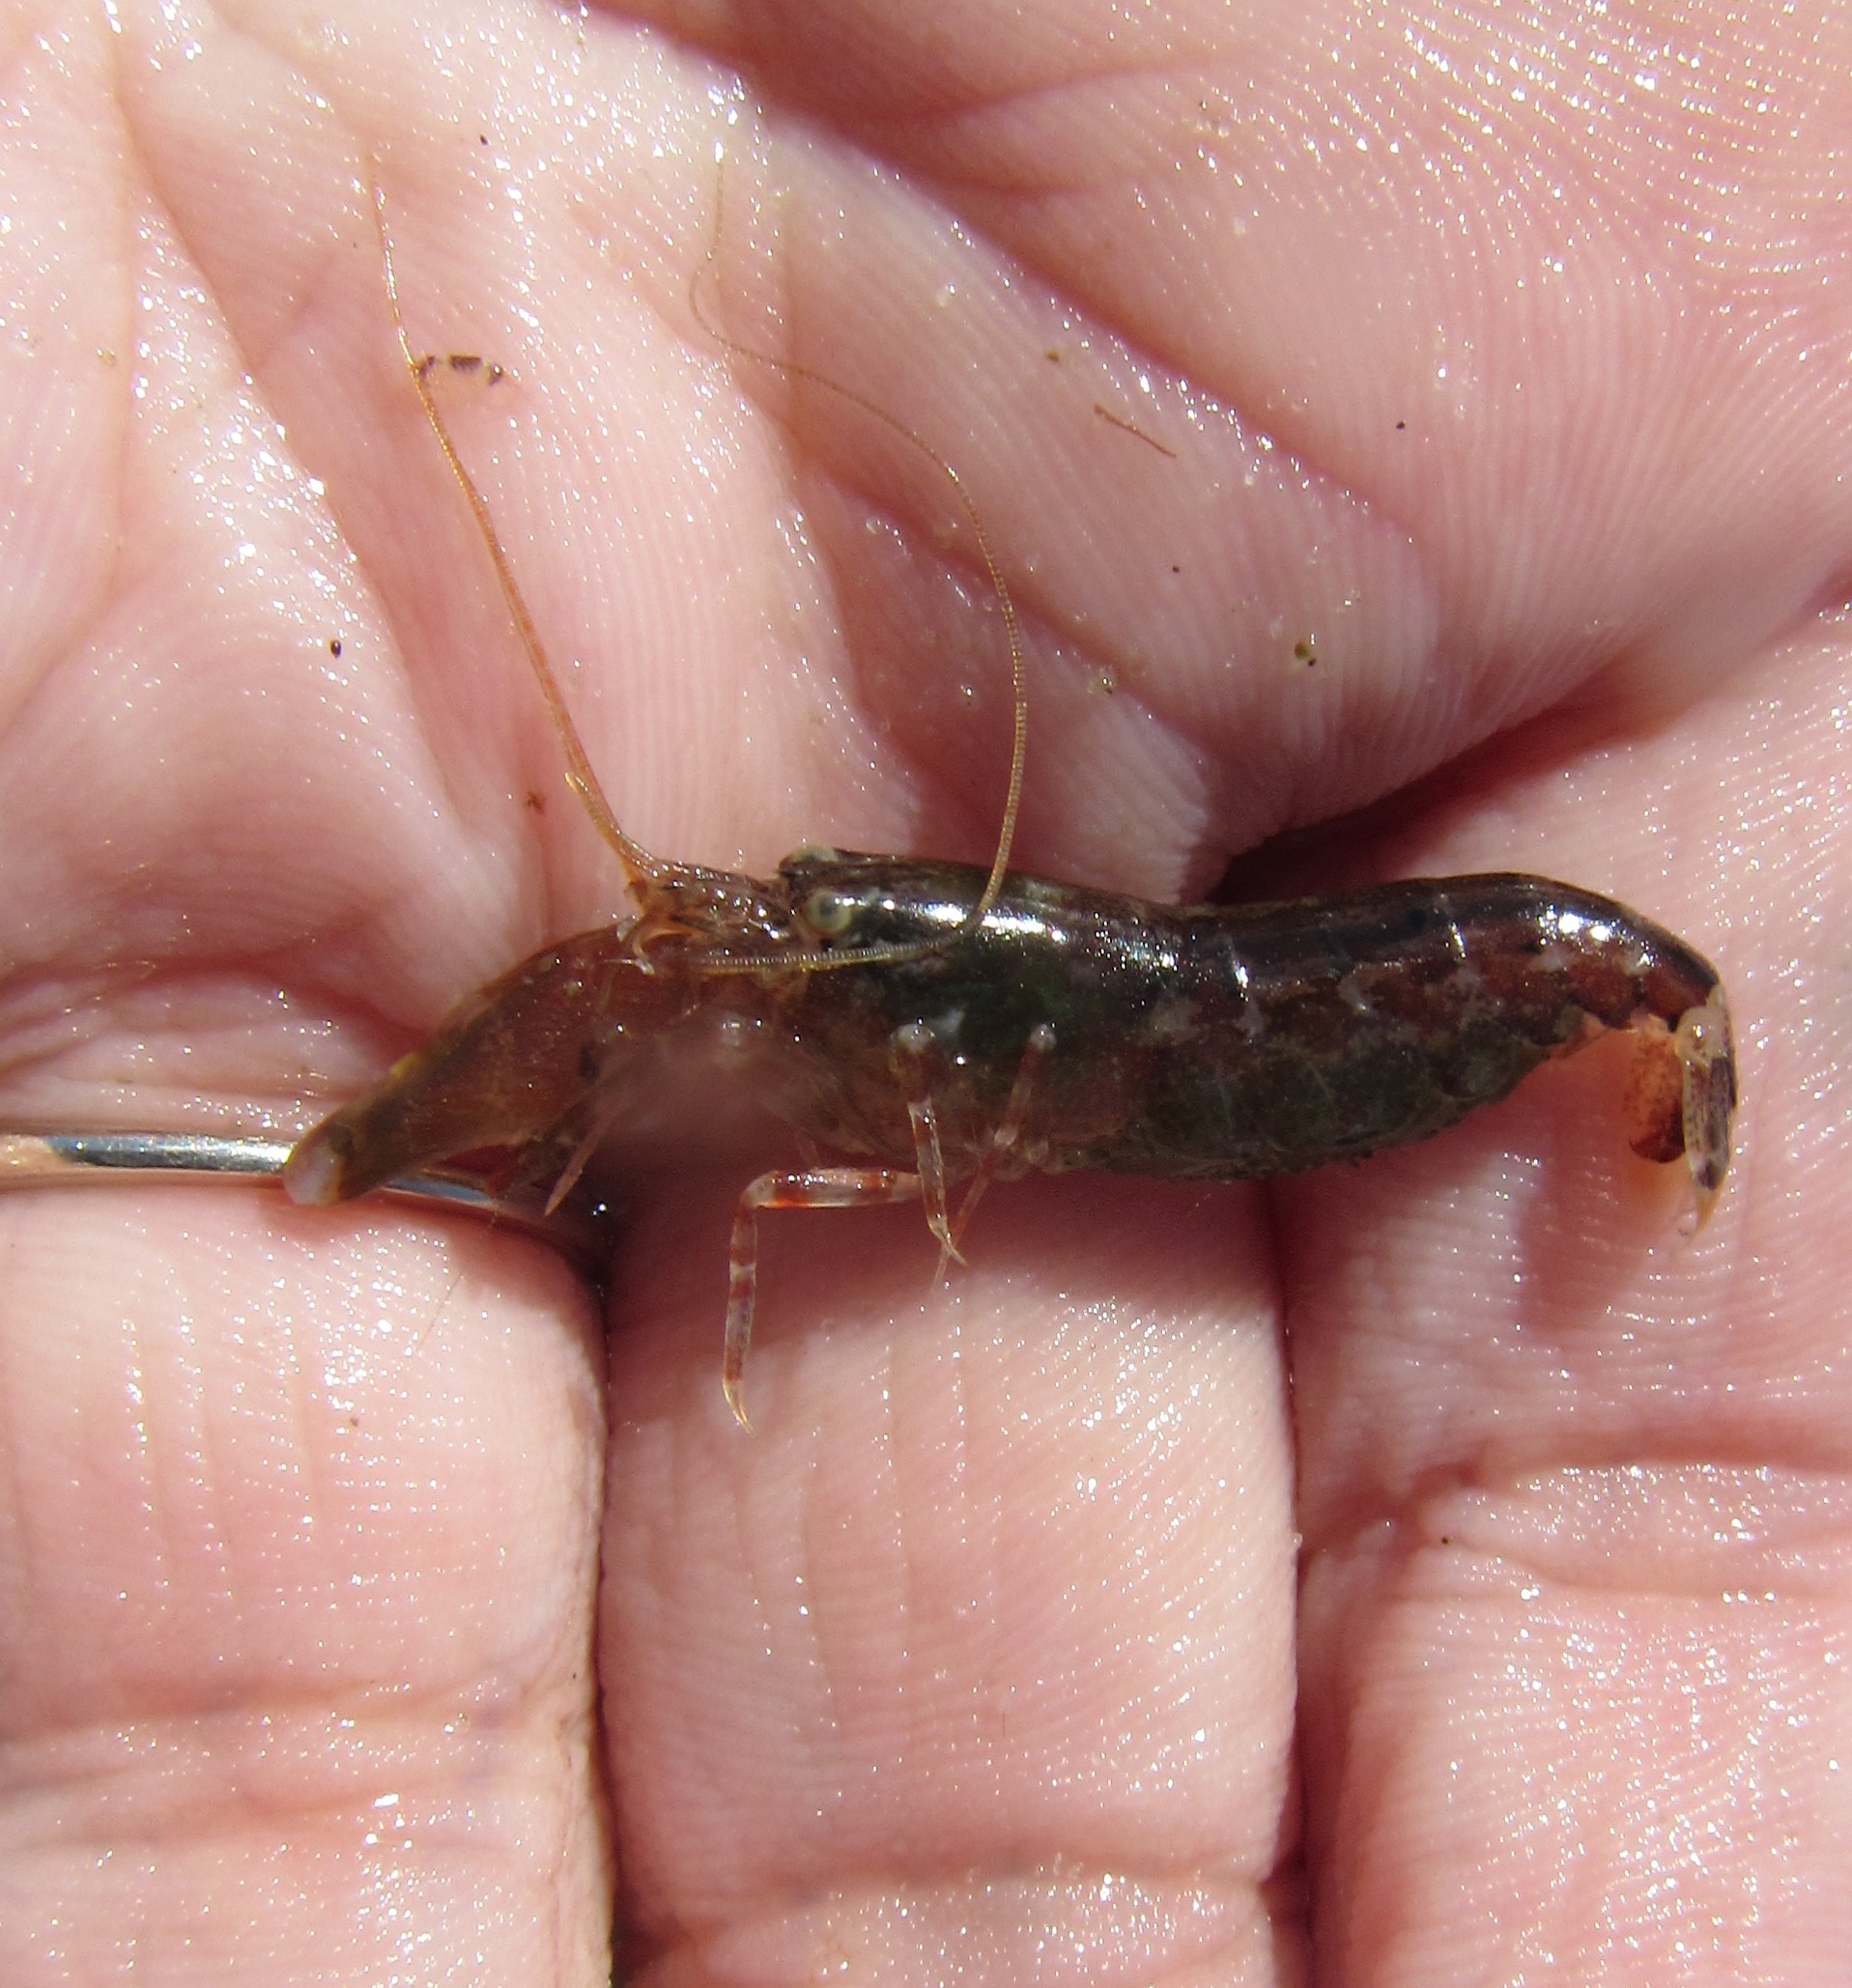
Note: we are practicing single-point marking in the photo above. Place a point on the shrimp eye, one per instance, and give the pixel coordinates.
(828, 913)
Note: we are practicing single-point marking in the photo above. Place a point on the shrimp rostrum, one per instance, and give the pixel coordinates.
(934, 1027)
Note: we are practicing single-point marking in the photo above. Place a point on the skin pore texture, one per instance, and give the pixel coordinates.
(1433, 1570)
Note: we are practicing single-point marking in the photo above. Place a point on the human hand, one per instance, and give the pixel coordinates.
(991, 1643)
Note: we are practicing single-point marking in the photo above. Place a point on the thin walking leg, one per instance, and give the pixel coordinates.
(1008, 1136)
(816, 1187)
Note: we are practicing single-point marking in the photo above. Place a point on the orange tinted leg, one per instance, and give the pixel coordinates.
(815, 1188)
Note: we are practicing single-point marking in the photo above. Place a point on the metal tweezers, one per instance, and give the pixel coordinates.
(579, 1229)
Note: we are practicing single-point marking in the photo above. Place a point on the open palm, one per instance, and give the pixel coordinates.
(1348, 398)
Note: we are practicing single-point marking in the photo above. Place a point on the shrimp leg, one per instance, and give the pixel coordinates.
(910, 1057)
(853, 1187)
(1005, 1140)
(910, 1053)
(815, 1188)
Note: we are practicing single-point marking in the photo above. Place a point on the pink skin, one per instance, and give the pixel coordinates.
(339, 1629)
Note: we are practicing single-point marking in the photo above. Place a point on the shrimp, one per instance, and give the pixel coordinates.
(938, 1026)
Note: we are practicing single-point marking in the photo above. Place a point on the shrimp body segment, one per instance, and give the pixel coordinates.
(1228, 1043)
(1069, 1028)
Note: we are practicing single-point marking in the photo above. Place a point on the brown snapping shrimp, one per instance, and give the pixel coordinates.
(936, 1026)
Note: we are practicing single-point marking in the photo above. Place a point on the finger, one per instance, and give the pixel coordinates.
(1576, 1486)
(982, 1640)
(295, 1561)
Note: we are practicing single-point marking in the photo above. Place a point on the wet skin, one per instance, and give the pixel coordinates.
(349, 1585)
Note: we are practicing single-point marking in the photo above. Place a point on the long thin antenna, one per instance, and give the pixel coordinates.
(796, 369)
(639, 867)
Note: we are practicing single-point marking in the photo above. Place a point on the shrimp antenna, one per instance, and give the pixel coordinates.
(639, 867)
(796, 369)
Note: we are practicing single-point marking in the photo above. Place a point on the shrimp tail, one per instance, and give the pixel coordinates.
(1707, 1100)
